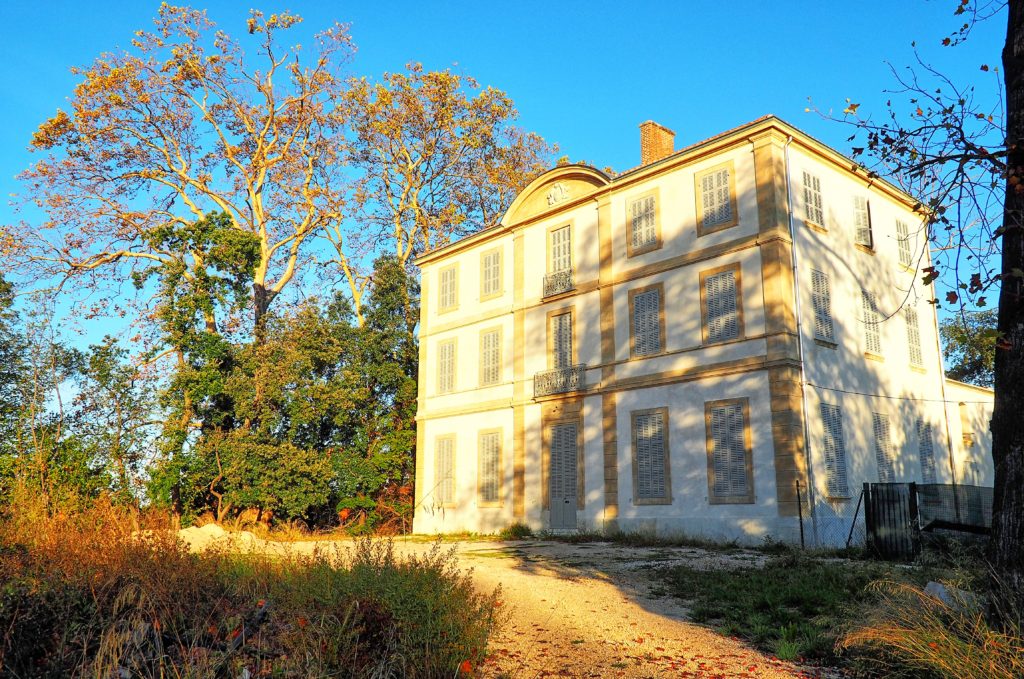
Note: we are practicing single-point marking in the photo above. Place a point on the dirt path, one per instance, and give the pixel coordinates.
(595, 610)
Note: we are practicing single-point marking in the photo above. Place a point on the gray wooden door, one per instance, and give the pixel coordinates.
(562, 475)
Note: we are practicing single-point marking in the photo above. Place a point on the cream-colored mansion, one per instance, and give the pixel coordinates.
(686, 347)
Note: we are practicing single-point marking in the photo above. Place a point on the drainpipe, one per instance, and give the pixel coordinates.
(811, 499)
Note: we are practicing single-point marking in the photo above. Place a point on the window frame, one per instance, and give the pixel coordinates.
(660, 287)
(665, 499)
(633, 250)
(730, 167)
(484, 295)
(499, 481)
(840, 490)
(737, 270)
(903, 245)
(483, 366)
(869, 246)
(866, 294)
(885, 452)
(817, 225)
(571, 311)
(441, 501)
(453, 342)
(454, 268)
(913, 330)
(714, 499)
(921, 427)
(820, 338)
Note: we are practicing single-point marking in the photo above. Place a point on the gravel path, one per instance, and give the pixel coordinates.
(587, 610)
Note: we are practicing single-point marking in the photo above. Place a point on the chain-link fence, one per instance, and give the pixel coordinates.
(837, 522)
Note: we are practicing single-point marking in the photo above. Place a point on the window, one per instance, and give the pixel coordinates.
(730, 471)
(489, 481)
(903, 240)
(446, 366)
(447, 290)
(813, 211)
(872, 338)
(490, 357)
(862, 222)
(643, 225)
(821, 300)
(913, 336)
(444, 470)
(561, 249)
(650, 457)
(925, 450)
(720, 301)
(883, 448)
(490, 274)
(716, 199)
(835, 451)
(646, 321)
(560, 339)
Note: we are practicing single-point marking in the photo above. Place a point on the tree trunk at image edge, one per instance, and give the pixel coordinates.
(1007, 545)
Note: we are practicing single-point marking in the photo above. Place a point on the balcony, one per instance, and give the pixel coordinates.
(558, 282)
(560, 380)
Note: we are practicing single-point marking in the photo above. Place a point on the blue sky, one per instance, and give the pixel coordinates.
(583, 74)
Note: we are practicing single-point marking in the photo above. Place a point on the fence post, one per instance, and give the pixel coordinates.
(869, 519)
(915, 520)
(853, 524)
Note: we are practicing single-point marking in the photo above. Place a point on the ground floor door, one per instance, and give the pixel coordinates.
(562, 474)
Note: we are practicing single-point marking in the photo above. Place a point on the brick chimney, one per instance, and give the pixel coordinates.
(656, 142)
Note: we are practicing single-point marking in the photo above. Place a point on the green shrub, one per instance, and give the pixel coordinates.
(517, 531)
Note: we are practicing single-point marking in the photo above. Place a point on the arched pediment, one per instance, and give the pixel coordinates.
(553, 188)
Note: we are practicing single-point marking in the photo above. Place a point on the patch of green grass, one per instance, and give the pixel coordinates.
(793, 607)
(642, 539)
(516, 531)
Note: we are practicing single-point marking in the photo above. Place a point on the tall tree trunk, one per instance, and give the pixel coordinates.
(1007, 544)
(262, 297)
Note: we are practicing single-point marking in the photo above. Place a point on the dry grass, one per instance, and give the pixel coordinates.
(87, 594)
(911, 629)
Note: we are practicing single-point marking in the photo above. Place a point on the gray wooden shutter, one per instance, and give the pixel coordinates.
(835, 451)
(490, 364)
(492, 273)
(729, 454)
(563, 460)
(649, 436)
(446, 290)
(883, 448)
(643, 223)
(925, 450)
(561, 249)
(490, 457)
(561, 344)
(647, 322)
(722, 310)
(903, 238)
(444, 470)
(813, 211)
(446, 366)
(872, 338)
(821, 300)
(861, 221)
(913, 336)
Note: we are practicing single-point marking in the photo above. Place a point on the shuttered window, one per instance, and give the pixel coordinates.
(722, 322)
(444, 470)
(490, 467)
(913, 336)
(883, 448)
(643, 223)
(650, 455)
(490, 357)
(821, 300)
(490, 274)
(813, 211)
(835, 451)
(561, 340)
(647, 322)
(903, 240)
(563, 460)
(925, 450)
(862, 221)
(728, 454)
(716, 199)
(447, 290)
(561, 249)
(871, 319)
(446, 366)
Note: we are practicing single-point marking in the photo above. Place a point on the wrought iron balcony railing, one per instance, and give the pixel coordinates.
(558, 282)
(560, 380)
